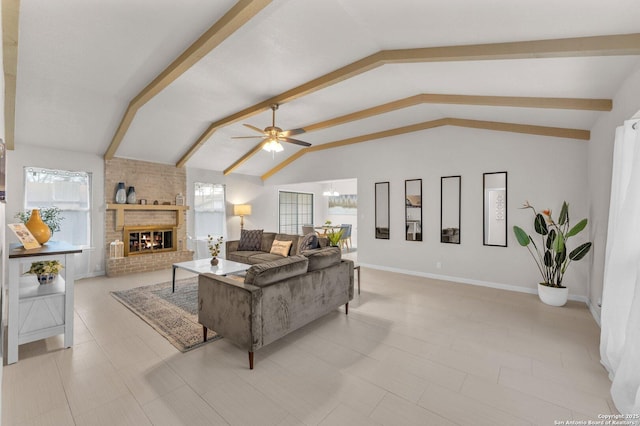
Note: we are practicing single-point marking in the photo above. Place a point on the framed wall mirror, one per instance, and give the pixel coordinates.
(382, 210)
(494, 211)
(413, 209)
(450, 209)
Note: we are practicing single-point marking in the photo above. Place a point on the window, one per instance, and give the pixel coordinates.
(70, 192)
(296, 209)
(209, 210)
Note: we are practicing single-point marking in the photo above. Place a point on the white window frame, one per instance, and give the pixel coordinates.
(217, 206)
(298, 229)
(58, 196)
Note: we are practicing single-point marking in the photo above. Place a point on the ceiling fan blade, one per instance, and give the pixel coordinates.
(292, 132)
(247, 137)
(296, 141)
(254, 128)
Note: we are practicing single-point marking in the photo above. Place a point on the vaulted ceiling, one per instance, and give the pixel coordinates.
(173, 81)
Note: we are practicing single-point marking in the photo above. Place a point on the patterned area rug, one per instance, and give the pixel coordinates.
(173, 315)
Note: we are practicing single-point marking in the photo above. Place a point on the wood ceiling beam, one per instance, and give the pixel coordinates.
(608, 45)
(351, 70)
(558, 132)
(10, 23)
(498, 101)
(621, 44)
(511, 101)
(235, 18)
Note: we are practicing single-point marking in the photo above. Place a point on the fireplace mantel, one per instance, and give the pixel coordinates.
(121, 208)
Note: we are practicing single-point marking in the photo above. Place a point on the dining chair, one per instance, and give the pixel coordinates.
(308, 229)
(345, 238)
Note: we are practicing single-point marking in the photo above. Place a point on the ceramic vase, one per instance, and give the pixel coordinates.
(553, 296)
(131, 195)
(38, 228)
(214, 261)
(121, 194)
(46, 278)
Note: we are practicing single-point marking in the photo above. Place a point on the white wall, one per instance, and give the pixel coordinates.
(92, 260)
(242, 189)
(626, 103)
(543, 170)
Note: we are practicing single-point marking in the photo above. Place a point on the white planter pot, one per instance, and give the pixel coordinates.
(553, 296)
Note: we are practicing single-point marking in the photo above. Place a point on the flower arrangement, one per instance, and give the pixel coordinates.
(51, 216)
(45, 267)
(551, 255)
(214, 245)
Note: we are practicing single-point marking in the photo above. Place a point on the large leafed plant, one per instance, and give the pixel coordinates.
(550, 254)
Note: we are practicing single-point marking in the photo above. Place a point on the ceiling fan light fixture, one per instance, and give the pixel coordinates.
(273, 145)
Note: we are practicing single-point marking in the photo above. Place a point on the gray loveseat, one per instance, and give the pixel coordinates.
(275, 298)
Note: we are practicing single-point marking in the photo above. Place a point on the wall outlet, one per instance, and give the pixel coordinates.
(438, 264)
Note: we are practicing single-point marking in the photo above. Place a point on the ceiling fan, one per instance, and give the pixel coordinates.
(274, 135)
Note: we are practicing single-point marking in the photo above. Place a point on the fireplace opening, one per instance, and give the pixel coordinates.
(149, 239)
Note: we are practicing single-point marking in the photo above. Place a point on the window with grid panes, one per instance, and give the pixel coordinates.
(209, 210)
(296, 209)
(70, 191)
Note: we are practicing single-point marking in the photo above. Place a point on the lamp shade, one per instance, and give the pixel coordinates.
(242, 209)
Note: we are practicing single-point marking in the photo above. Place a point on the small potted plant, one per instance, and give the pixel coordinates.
(551, 255)
(214, 248)
(46, 270)
(334, 237)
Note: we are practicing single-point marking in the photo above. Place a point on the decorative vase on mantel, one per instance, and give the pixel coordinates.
(214, 261)
(37, 227)
(131, 196)
(121, 194)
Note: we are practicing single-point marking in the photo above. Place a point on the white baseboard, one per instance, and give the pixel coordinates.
(469, 281)
(92, 275)
(594, 313)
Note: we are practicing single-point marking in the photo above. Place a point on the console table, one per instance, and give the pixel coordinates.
(38, 311)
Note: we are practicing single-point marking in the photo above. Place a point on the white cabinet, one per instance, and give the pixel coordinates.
(38, 311)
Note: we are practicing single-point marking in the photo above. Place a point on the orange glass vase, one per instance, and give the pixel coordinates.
(38, 228)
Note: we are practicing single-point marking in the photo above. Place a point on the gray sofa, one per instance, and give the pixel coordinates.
(275, 298)
(253, 257)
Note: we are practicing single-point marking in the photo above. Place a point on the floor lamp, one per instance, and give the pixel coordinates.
(242, 210)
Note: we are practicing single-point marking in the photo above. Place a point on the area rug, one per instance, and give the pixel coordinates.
(173, 315)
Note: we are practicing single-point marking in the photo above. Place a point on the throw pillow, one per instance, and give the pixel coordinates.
(250, 240)
(281, 247)
(308, 242)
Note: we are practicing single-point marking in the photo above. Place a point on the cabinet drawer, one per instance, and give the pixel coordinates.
(40, 313)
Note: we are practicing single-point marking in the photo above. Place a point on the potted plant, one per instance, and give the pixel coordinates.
(214, 248)
(334, 237)
(551, 255)
(46, 270)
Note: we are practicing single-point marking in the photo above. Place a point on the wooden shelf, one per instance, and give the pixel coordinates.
(121, 208)
(31, 288)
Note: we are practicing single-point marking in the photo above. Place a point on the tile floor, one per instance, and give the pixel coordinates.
(412, 351)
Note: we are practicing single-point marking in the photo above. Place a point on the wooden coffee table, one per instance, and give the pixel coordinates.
(201, 266)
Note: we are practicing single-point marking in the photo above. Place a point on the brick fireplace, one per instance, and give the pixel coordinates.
(152, 182)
